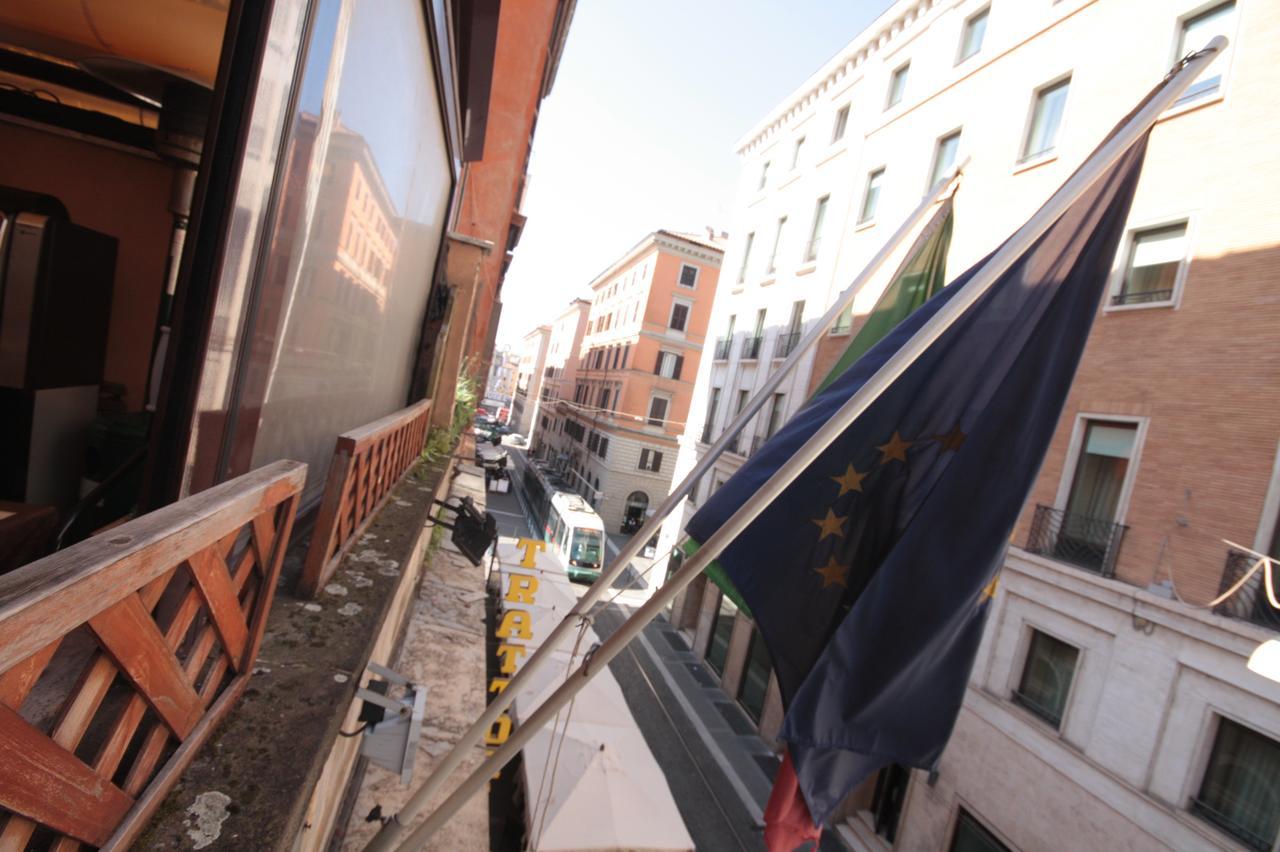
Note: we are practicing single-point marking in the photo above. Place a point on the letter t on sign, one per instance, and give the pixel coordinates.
(530, 546)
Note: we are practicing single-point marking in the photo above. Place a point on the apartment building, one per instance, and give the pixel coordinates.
(1109, 706)
(613, 428)
(561, 367)
(529, 373)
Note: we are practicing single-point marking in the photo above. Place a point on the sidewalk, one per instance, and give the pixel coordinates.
(444, 650)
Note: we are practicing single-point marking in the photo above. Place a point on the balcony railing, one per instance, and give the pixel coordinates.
(1141, 297)
(786, 342)
(723, 345)
(1250, 603)
(1088, 543)
(751, 347)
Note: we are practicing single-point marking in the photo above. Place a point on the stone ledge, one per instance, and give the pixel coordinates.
(266, 759)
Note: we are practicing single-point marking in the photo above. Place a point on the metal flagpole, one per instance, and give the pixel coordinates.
(889, 372)
(500, 703)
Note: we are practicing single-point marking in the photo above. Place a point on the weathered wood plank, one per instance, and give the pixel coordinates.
(45, 600)
(44, 782)
(213, 578)
(132, 639)
(327, 533)
(17, 682)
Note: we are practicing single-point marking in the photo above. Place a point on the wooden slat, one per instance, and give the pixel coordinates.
(135, 643)
(214, 579)
(46, 783)
(16, 683)
(329, 529)
(43, 601)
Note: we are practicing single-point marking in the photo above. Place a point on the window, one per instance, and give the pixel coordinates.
(1046, 677)
(897, 85)
(679, 316)
(777, 241)
(593, 441)
(795, 152)
(650, 460)
(764, 174)
(844, 321)
(1152, 264)
(1101, 470)
(776, 410)
(1194, 33)
(721, 630)
(975, 29)
(944, 157)
(604, 399)
(603, 451)
(688, 275)
(711, 415)
(1240, 792)
(841, 122)
(815, 234)
(889, 797)
(755, 677)
(1046, 118)
(657, 411)
(626, 350)
(871, 196)
(972, 836)
(746, 255)
(668, 365)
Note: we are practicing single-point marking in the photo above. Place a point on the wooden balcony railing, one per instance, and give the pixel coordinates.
(119, 656)
(367, 463)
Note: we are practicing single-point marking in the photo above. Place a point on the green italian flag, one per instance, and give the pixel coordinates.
(921, 274)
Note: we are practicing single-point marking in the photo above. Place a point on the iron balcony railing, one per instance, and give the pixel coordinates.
(1141, 297)
(723, 345)
(1089, 543)
(786, 342)
(751, 346)
(1250, 603)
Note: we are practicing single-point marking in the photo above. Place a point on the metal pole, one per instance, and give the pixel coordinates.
(503, 700)
(889, 372)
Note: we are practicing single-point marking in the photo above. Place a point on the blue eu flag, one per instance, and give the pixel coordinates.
(869, 577)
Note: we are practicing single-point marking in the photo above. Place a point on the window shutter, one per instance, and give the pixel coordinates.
(657, 462)
(644, 459)
(675, 374)
(657, 364)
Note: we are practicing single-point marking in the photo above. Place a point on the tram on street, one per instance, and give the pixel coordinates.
(572, 529)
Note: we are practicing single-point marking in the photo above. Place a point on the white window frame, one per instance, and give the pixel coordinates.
(1269, 520)
(866, 188)
(665, 355)
(937, 149)
(797, 147)
(1025, 161)
(680, 276)
(1213, 713)
(1121, 262)
(671, 314)
(1076, 447)
(1016, 673)
(666, 413)
(836, 125)
(964, 31)
(1222, 63)
(889, 103)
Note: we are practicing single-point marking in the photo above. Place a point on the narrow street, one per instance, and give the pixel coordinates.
(719, 771)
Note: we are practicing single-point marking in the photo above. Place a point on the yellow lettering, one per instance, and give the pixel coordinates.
(516, 624)
(509, 655)
(520, 588)
(498, 684)
(499, 731)
(530, 546)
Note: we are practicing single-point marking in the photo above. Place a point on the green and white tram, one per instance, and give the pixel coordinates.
(571, 528)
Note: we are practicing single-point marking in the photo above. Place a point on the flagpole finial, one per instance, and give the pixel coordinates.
(1216, 45)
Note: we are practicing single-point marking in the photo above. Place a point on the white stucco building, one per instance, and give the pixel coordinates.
(1109, 707)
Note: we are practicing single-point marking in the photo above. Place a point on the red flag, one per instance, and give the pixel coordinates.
(787, 823)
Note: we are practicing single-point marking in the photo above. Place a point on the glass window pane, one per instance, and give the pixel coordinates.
(1046, 118)
(972, 836)
(975, 29)
(1046, 677)
(755, 677)
(721, 630)
(842, 120)
(897, 85)
(1152, 268)
(815, 237)
(1197, 31)
(944, 157)
(871, 198)
(1240, 792)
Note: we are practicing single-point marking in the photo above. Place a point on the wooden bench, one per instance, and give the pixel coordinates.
(119, 656)
(367, 463)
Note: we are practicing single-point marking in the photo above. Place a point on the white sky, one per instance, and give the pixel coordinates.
(638, 131)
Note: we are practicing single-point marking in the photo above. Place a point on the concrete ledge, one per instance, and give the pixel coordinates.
(270, 778)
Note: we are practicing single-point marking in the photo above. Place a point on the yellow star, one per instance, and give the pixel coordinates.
(896, 448)
(850, 481)
(951, 440)
(989, 591)
(831, 524)
(832, 574)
